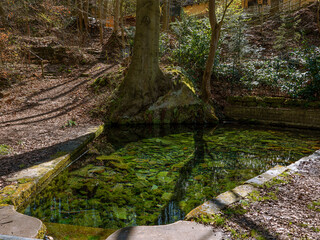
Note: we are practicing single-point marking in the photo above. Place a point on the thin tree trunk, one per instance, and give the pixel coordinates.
(318, 16)
(2, 18)
(80, 15)
(105, 9)
(101, 20)
(215, 32)
(116, 13)
(215, 35)
(206, 84)
(121, 22)
(86, 14)
(165, 9)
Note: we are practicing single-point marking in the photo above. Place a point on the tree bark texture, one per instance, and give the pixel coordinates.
(86, 14)
(2, 18)
(318, 16)
(215, 35)
(206, 84)
(165, 14)
(116, 14)
(144, 82)
(79, 5)
(100, 11)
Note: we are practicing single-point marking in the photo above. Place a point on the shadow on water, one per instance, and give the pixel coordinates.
(172, 212)
(119, 136)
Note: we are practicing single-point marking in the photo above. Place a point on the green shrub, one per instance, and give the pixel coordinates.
(193, 44)
(311, 89)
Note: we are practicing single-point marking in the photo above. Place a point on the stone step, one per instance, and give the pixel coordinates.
(7, 237)
(14, 225)
(181, 230)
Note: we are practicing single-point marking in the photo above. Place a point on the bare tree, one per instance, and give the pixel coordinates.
(166, 15)
(116, 14)
(101, 4)
(318, 15)
(215, 36)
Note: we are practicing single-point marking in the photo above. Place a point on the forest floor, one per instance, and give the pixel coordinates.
(40, 113)
(289, 209)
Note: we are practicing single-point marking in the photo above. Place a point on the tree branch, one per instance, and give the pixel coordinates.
(225, 11)
(212, 12)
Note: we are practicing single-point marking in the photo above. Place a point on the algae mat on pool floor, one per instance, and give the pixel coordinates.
(157, 180)
(71, 232)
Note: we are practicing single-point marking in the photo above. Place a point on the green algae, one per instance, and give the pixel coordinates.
(159, 178)
(4, 149)
(72, 232)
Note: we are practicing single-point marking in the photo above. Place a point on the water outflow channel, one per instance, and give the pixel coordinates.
(153, 176)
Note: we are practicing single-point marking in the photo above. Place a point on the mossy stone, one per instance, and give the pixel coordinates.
(113, 158)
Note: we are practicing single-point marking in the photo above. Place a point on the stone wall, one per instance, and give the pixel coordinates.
(277, 111)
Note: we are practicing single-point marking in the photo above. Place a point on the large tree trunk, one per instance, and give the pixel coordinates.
(144, 82)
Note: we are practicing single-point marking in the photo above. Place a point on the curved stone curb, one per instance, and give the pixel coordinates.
(181, 230)
(30, 181)
(225, 199)
(186, 230)
(7, 237)
(19, 225)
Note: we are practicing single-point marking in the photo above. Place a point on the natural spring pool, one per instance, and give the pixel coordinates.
(150, 176)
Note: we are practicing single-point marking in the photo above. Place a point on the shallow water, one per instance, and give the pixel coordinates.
(156, 176)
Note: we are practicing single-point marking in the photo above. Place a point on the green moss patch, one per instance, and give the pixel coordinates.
(158, 179)
(71, 232)
(5, 149)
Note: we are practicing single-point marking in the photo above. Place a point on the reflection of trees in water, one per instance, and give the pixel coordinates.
(172, 211)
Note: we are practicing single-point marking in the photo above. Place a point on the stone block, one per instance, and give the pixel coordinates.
(267, 176)
(181, 230)
(17, 224)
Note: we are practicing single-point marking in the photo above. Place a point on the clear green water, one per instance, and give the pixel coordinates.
(156, 176)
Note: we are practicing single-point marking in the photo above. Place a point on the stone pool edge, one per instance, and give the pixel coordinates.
(215, 205)
(28, 182)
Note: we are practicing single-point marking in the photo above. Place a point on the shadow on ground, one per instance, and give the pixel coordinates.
(19, 162)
